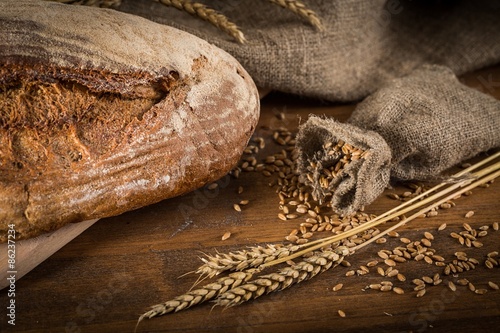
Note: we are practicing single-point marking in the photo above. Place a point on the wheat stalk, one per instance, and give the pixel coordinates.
(298, 8)
(284, 278)
(207, 14)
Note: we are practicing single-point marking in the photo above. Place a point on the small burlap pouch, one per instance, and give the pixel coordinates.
(413, 128)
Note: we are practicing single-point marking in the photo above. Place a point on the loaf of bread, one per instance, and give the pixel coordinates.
(102, 112)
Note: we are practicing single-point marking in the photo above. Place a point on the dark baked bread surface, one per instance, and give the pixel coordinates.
(103, 112)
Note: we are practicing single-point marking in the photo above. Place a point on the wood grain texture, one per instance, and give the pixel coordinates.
(104, 279)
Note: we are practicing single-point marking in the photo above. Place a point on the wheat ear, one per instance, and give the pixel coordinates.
(197, 296)
(241, 260)
(298, 8)
(311, 266)
(207, 14)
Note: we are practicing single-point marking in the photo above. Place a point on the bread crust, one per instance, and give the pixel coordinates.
(103, 112)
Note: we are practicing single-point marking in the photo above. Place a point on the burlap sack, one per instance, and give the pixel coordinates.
(414, 128)
(364, 42)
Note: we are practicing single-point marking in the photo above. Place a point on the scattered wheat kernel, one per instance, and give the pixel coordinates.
(237, 207)
(495, 226)
(381, 240)
(452, 286)
(493, 285)
(244, 202)
(301, 241)
(398, 290)
(469, 214)
(341, 313)
(381, 271)
(405, 240)
(418, 282)
(307, 235)
(471, 287)
(445, 205)
(226, 235)
(390, 262)
(240, 189)
(427, 279)
(477, 244)
(421, 293)
(212, 186)
(392, 234)
(393, 273)
(482, 233)
(382, 255)
(488, 264)
(350, 273)
(428, 260)
(463, 282)
(337, 287)
(385, 288)
(419, 257)
(372, 263)
(432, 213)
(481, 291)
(393, 196)
(437, 257)
(345, 263)
(401, 277)
(428, 235)
(474, 261)
(419, 287)
(282, 216)
(292, 238)
(426, 242)
(466, 225)
(442, 227)
(375, 286)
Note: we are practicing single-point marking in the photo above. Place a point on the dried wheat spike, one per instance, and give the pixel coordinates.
(207, 14)
(284, 278)
(240, 260)
(199, 295)
(298, 8)
(94, 3)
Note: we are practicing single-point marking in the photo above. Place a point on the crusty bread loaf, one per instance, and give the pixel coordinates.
(103, 112)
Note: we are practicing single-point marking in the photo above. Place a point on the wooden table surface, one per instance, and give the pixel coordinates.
(113, 272)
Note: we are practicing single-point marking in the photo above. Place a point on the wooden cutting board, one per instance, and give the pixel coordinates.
(31, 252)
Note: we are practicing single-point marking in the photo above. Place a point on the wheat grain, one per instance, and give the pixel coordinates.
(493, 285)
(398, 290)
(469, 214)
(421, 293)
(337, 287)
